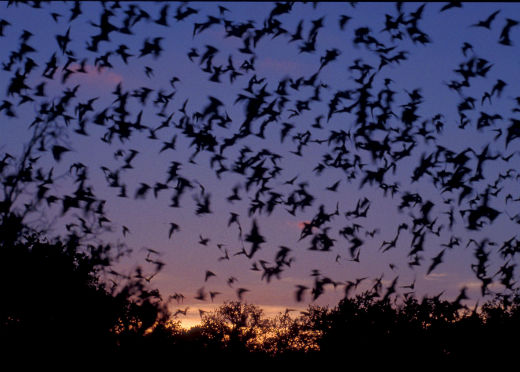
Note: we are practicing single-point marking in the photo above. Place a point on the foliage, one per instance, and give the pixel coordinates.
(55, 300)
(237, 327)
(288, 335)
(361, 327)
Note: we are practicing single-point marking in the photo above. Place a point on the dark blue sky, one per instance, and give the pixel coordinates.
(428, 67)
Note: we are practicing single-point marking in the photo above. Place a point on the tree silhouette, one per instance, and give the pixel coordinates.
(55, 302)
(236, 326)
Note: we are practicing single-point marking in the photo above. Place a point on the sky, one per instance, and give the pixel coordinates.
(427, 69)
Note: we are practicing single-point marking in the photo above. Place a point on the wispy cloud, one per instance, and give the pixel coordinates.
(270, 65)
(94, 76)
(436, 276)
(297, 224)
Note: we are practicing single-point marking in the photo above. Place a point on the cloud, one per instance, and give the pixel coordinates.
(436, 276)
(270, 65)
(94, 76)
(474, 284)
(297, 224)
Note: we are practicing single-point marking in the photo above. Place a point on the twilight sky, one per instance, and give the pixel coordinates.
(328, 91)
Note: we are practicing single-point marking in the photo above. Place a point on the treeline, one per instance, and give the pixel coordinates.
(361, 329)
(56, 301)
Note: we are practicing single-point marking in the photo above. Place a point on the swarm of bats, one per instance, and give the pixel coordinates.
(365, 129)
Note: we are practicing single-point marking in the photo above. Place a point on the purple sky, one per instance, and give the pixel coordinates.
(429, 67)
